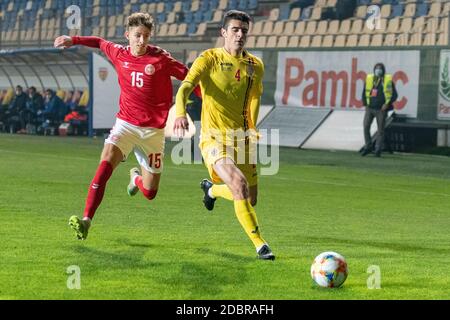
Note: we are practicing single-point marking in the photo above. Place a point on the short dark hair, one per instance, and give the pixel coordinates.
(380, 65)
(235, 15)
(139, 19)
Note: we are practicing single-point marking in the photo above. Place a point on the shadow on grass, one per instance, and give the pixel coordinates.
(382, 245)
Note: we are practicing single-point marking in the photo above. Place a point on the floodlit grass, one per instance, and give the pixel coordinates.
(392, 212)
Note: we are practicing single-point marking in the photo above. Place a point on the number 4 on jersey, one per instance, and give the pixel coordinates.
(238, 75)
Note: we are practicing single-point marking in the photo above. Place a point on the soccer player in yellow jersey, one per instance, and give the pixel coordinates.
(230, 79)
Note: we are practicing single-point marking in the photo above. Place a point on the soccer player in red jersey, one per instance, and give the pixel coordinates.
(144, 73)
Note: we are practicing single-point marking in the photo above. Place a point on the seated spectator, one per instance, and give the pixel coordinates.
(54, 111)
(34, 103)
(15, 109)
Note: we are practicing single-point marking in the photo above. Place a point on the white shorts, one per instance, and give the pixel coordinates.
(147, 143)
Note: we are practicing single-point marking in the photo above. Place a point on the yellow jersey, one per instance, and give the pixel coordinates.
(228, 85)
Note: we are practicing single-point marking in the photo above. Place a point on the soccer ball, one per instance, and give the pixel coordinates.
(329, 270)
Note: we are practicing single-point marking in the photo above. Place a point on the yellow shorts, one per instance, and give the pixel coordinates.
(212, 151)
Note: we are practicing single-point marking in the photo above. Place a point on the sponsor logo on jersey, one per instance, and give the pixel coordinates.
(226, 66)
(103, 73)
(126, 65)
(149, 69)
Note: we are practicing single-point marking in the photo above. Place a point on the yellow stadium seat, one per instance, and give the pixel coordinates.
(271, 42)
(429, 39)
(316, 41)
(84, 100)
(261, 42)
(327, 41)
(282, 42)
(295, 14)
(293, 41)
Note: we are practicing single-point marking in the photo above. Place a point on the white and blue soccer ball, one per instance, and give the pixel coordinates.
(329, 269)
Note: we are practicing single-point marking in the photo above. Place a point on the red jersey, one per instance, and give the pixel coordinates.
(145, 81)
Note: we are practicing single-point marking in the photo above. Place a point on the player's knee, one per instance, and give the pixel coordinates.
(150, 194)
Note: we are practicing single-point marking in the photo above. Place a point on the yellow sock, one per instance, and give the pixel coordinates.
(222, 191)
(247, 217)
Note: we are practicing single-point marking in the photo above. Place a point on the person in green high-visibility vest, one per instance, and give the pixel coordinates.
(378, 96)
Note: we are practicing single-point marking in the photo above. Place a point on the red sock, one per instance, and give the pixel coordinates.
(149, 194)
(97, 188)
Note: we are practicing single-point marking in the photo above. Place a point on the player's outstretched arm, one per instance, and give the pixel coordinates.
(67, 42)
(63, 42)
(181, 123)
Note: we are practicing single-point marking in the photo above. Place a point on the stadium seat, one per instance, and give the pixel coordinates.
(282, 42)
(402, 39)
(364, 40)
(300, 28)
(289, 28)
(218, 15)
(293, 41)
(305, 42)
(173, 28)
(443, 26)
(251, 42)
(320, 3)
(357, 26)
(177, 7)
(278, 28)
(257, 27)
(340, 41)
(331, 3)
(435, 9)
(316, 14)
(432, 25)
(361, 12)
(261, 42)
(333, 27)
(416, 39)
(271, 42)
(394, 25)
(352, 40)
(274, 14)
(182, 30)
(316, 41)
(322, 27)
(386, 11)
(327, 41)
(419, 24)
(410, 10)
(377, 40)
(345, 27)
(406, 25)
(311, 27)
(201, 30)
(162, 29)
(84, 100)
(268, 28)
(295, 14)
(193, 54)
(390, 39)
(429, 39)
(223, 4)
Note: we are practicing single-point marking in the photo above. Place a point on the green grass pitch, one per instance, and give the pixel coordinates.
(392, 212)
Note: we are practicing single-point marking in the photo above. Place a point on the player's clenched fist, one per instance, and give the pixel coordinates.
(63, 42)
